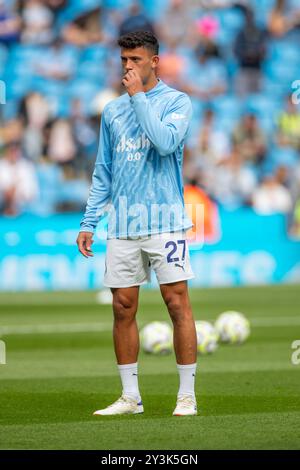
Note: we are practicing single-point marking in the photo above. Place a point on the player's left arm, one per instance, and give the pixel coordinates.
(166, 134)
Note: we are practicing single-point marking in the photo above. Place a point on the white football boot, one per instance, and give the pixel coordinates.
(186, 406)
(123, 406)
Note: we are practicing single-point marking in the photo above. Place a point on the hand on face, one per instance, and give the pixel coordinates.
(132, 82)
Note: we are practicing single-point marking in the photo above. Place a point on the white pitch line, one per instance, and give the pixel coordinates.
(260, 322)
(58, 328)
(277, 321)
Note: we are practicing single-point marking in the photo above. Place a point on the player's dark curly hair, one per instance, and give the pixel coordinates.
(139, 39)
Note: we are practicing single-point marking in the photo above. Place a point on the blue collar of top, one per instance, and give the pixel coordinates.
(156, 88)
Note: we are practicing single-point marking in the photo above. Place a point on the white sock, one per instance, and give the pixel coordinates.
(129, 378)
(187, 375)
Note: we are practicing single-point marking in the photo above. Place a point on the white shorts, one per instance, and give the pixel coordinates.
(128, 261)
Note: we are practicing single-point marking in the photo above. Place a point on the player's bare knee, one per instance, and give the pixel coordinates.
(123, 315)
(124, 308)
(177, 308)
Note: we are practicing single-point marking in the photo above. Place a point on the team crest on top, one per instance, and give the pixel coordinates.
(178, 116)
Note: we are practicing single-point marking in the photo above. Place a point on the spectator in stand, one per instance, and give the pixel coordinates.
(288, 132)
(272, 197)
(10, 25)
(11, 131)
(283, 175)
(56, 62)
(35, 112)
(85, 29)
(284, 16)
(232, 182)
(209, 4)
(209, 76)
(249, 138)
(37, 22)
(295, 226)
(56, 5)
(207, 28)
(208, 148)
(194, 59)
(205, 151)
(294, 182)
(18, 182)
(85, 135)
(62, 148)
(250, 49)
(175, 24)
(171, 68)
(135, 21)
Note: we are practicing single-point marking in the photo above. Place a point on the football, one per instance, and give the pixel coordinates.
(157, 338)
(232, 327)
(207, 337)
(104, 296)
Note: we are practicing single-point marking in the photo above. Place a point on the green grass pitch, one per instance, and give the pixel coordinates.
(61, 367)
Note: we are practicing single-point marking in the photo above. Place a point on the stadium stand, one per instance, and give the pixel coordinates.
(60, 64)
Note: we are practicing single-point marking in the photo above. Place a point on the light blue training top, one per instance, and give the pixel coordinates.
(137, 179)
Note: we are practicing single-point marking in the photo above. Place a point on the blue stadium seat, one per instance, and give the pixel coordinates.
(18, 68)
(226, 123)
(233, 67)
(75, 191)
(60, 105)
(227, 106)
(262, 10)
(3, 54)
(49, 179)
(82, 88)
(75, 9)
(262, 105)
(91, 72)
(117, 3)
(50, 87)
(16, 88)
(154, 8)
(283, 51)
(97, 53)
(275, 90)
(25, 53)
(267, 124)
(231, 19)
(283, 156)
(280, 71)
(224, 38)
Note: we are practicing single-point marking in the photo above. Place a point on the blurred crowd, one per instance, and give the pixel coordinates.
(239, 62)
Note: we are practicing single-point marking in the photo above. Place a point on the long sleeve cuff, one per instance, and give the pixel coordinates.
(87, 228)
(138, 98)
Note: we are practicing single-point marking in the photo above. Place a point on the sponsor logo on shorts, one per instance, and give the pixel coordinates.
(179, 266)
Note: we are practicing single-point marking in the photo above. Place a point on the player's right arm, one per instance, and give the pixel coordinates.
(100, 192)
